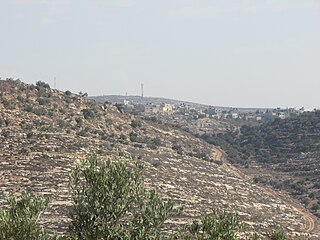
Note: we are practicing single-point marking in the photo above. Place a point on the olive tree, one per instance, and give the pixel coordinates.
(217, 225)
(19, 221)
(111, 202)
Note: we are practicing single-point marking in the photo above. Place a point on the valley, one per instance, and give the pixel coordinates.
(45, 131)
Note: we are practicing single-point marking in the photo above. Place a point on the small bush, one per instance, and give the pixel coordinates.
(120, 107)
(79, 121)
(277, 234)
(5, 133)
(29, 134)
(21, 99)
(20, 221)
(133, 137)
(178, 148)
(41, 84)
(110, 202)
(62, 123)
(7, 103)
(136, 124)
(67, 93)
(88, 113)
(215, 226)
(7, 121)
(43, 101)
(154, 143)
(84, 132)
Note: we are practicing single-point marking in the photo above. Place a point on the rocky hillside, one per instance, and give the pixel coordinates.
(282, 153)
(44, 131)
(145, 100)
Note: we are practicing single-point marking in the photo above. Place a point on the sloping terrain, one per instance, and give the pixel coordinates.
(44, 131)
(145, 100)
(283, 153)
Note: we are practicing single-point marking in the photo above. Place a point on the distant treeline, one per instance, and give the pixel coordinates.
(272, 141)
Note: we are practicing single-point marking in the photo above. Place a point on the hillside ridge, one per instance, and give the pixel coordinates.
(45, 131)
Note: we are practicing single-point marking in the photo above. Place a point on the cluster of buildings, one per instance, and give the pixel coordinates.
(250, 114)
(149, 108)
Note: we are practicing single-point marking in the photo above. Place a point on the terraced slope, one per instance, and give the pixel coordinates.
(44, 131)
(283, 153)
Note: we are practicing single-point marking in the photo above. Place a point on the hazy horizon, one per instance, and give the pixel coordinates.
(244, 53)
(201, 103)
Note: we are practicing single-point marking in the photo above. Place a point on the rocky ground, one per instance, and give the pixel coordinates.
(44, 132)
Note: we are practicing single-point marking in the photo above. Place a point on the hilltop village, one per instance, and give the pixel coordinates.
(155, 106)
(196, 118)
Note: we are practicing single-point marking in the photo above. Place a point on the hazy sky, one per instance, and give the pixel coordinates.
(260, 53)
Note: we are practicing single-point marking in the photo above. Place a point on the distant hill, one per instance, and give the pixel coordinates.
(158, 100)
(287, 152)
(145, 100)
(43, 132)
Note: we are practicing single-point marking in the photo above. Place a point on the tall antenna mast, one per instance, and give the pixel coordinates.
(141, 90)
(55, 83)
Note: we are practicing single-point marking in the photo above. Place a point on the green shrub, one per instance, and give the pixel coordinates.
(41, 84)
(8, 103)
(277, 234)
(43, 89)
(110, 202)
(215, 226)
(133, 137)
(79, 121)
(61, 123)
(20, 221)
(88, 113)
(83, 132)
(178, 148)
(120, 107)
(43, 101)
(136, 123)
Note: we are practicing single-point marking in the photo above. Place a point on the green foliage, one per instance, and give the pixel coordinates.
(273, 141)
(43, 89)
(7, 121)
(83, 132)
(38, 111)
(5, 133)
(178, 148)
(29, 134)
(277, 234)
(41, 84)
(277, 144)
(136, 123)
(43, 101)
(83, 94)
(79, 121)
(215, 226)
(154, 143)
(20, 221)
(120, 107)
(200, 154)
(68, 93)
(8, 104)
(110, 202)
(133, 137)
(88, 113)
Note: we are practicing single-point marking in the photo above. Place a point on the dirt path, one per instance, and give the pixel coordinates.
(221, 155)
(309, 220)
